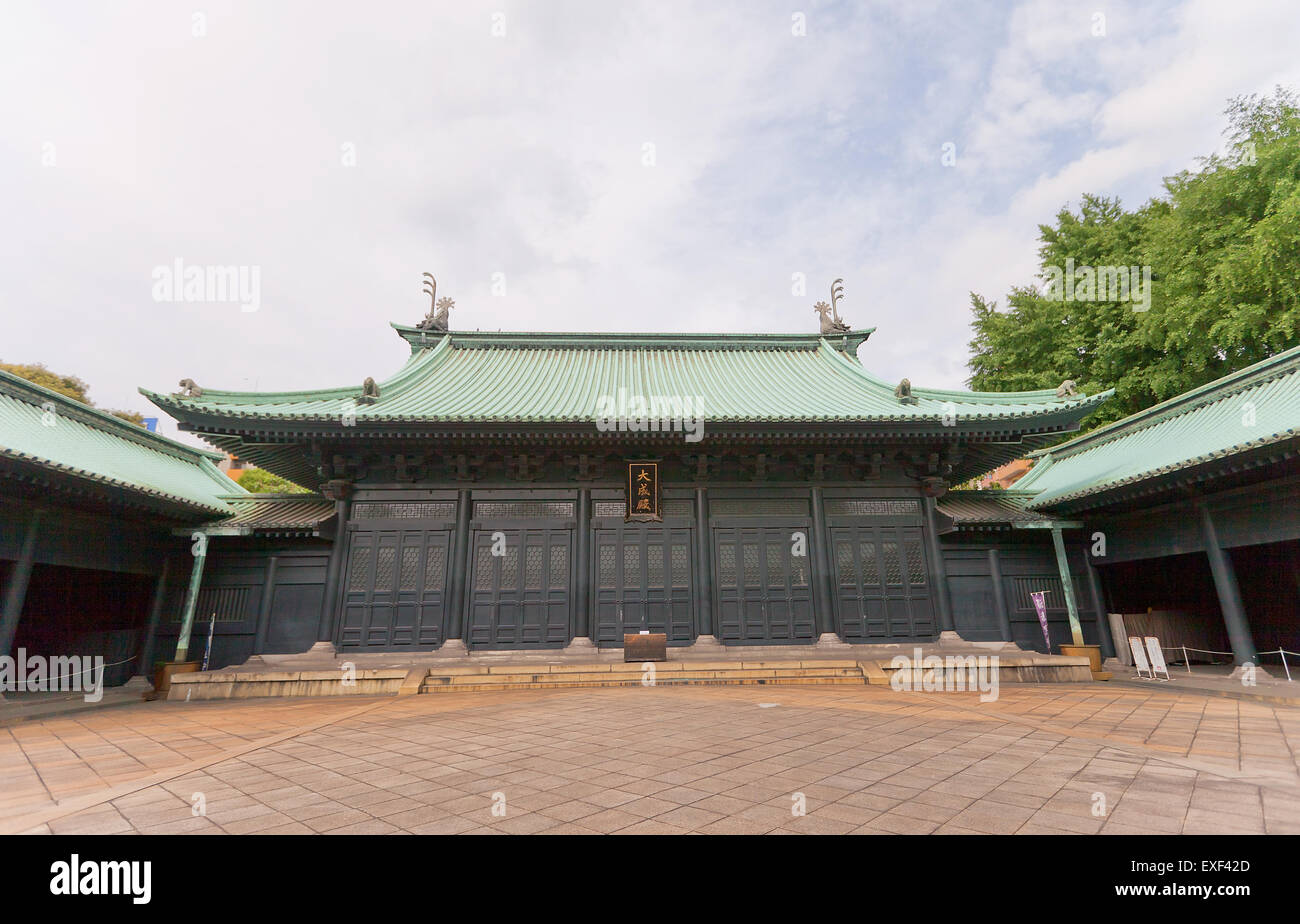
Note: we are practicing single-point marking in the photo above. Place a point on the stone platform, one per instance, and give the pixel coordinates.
(321, 673)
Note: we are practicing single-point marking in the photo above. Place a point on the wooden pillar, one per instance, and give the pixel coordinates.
(1225, 584)
(16, 593)
(703, 565)
(938, 571)
(1099, 606)
(1067, 586)
(1000, 596)
(339, 492)
(582, 569)
(200, 552)
(148, 649)
(817, 545)
(460, 569)
(264, 608)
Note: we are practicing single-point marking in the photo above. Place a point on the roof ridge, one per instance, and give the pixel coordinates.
(1038, 396)
(539, 340)
(22, 388)
(1259, 373)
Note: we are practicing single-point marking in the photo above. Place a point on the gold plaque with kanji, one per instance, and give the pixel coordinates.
(643, 492)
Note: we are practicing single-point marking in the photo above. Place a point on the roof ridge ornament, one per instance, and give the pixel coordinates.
(904, 392)
(1067, 389)
(439, 308)
(830, 314)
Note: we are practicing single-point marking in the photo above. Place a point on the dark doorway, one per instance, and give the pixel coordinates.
(521, 597)
(79, 611)
(763, 590)
(643, 582)
(396, 589)
(881, 590)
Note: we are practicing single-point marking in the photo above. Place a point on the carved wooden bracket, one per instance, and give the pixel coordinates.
(867, 465)
(526, 466)
(587, 467)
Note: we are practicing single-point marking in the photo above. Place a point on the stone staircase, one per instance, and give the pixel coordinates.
(465, 679)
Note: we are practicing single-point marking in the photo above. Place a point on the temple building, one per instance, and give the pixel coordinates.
(535, 490)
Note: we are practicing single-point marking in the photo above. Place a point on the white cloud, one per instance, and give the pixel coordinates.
(523, 155)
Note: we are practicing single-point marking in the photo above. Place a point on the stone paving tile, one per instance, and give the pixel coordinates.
(666, 761)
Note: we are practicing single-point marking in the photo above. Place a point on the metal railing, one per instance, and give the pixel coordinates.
(1187, 662)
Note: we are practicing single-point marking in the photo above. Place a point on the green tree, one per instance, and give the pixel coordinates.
(1223, 245)
(67, 385)
(260, 481)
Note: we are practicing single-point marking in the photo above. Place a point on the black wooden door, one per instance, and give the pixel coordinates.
(882, 591)
(521, 597)
(395, 589)
(763, 589)
(643, 582)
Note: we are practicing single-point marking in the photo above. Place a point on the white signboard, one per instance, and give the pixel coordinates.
(1157, 657)
(1139, 657)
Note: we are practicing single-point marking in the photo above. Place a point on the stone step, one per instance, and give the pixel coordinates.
(659, 682)
(461, 679)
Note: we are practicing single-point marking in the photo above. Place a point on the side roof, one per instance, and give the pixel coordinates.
(43, 429)
(1256, 409)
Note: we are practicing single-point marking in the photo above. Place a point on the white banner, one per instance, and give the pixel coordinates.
(1157, 657)
(1139, 656)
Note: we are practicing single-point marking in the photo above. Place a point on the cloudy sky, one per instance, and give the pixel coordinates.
(609, 165)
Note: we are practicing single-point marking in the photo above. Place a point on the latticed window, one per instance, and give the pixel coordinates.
(775, 571)
(915, 562)
(681, 566)
(608, 578)
(759, 507)
(1024, 586)
(410, 573)
(845, 574)
(846, 507)
(523, 510)
(655, 566)
(727, 565)
(870, 568)
(510, 567)
(435, 568)
(533, 567)
(559, 566)
(384, 563)
(484, 579)
(893, 570)
(369, 510)
(359, 570)
(230, 604)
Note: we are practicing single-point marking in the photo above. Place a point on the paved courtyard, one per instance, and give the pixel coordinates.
(1066, 758)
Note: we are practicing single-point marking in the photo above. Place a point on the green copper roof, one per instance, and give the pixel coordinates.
(983, 509)
(512, 378)
(1254, 409)
(278, 514)
(45, 429)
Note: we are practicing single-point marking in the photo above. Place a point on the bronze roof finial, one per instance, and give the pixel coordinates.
(439, 308)
(830, 314)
